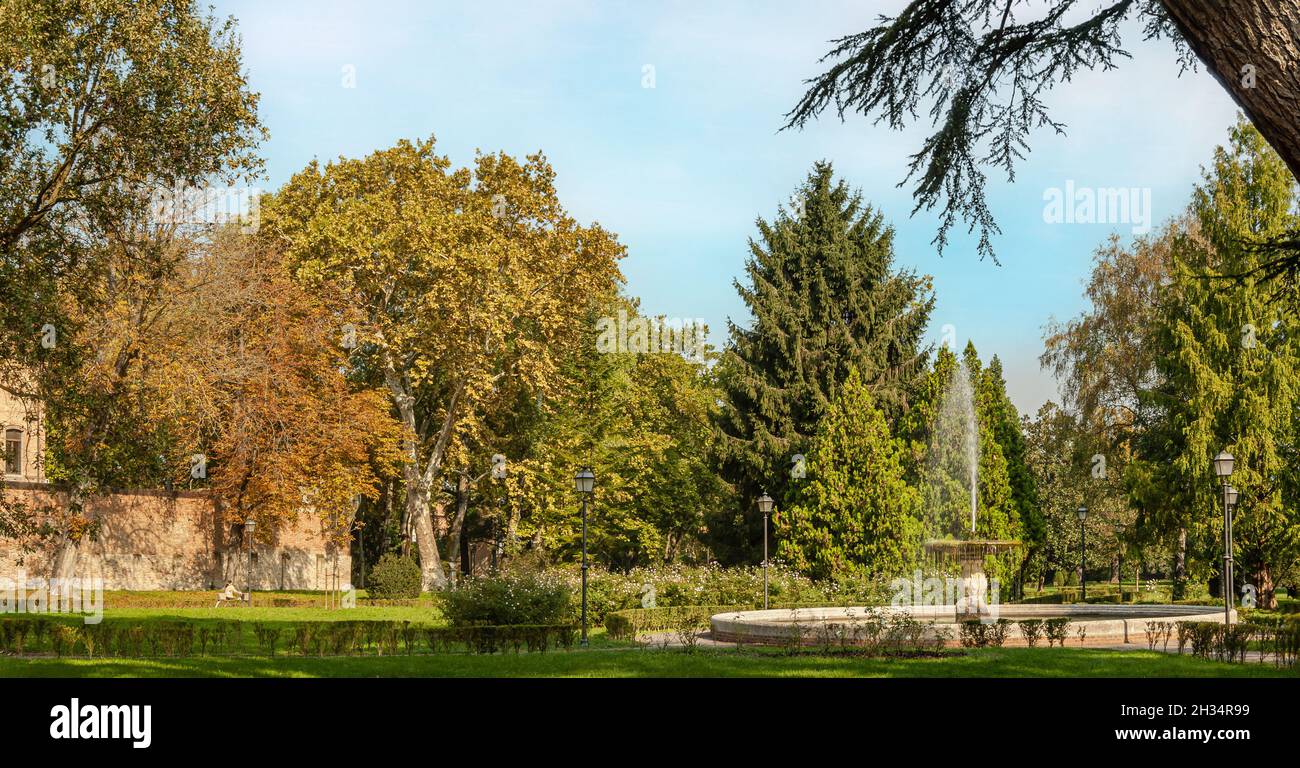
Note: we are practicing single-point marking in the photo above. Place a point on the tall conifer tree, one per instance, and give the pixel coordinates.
(825, 298)
(1229, 369)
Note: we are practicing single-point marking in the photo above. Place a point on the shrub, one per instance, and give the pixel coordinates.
(1057, 629)
(394, 578)
(1031, 629)
(973, 634)
(997, 632)
(511, 598)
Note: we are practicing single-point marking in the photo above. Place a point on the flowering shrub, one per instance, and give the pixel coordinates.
(710, 585)
(510, 598)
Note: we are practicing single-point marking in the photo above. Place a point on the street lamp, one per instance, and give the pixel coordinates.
(765, 504)
(1082, 513)
(1223, 470)
(585, 482)
(250, 525)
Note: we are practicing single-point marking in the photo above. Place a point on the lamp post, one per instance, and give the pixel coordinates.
(1223, 470)
(765, 504)
(250, 525)
(1082, 513)
(585, 482)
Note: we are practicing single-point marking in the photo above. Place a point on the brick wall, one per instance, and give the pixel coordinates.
(20, 420)
(153, 540)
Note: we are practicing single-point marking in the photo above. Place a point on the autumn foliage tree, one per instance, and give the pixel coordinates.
(287, 429)
(471, 284)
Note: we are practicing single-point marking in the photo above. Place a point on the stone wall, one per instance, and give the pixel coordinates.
(162, 540)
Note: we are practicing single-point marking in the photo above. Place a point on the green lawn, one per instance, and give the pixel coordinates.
(609, 662)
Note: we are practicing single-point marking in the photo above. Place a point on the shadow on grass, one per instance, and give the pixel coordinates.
(1010, 662)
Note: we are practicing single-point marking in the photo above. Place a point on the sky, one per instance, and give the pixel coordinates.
(681, 170)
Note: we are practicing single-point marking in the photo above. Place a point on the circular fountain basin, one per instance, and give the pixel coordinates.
(1104, 624)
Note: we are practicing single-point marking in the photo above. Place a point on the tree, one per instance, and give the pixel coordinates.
(643, 421)
(1059, 451)
(283, 429)
(1007, 431)
(99, 98)
(986, 66)
(1229, 368)
(101, 105)
(1104, 360)
(472, 284)
(826, 299)
(856, 514)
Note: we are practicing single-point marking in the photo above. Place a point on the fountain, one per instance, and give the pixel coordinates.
(956, 426)
(954, 488)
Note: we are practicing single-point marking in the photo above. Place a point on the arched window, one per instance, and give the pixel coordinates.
(13, 452)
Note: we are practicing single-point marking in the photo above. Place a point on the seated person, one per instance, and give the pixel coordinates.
(230, 593)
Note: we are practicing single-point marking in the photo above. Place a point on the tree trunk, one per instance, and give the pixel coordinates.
(1252, 47)
(418, 518)
(1180, 566)
(1265, 589)
(419, 511)
(456, 526)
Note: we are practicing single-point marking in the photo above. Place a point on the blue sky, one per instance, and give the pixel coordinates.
(681, 170)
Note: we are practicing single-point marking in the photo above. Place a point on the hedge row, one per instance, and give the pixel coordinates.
(1278, 638)
(627, 624)
(215, 637)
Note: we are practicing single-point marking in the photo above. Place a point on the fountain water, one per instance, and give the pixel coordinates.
(954, 452)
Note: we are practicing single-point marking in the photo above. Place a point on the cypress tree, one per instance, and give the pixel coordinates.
(856, 513)
(1008, 432)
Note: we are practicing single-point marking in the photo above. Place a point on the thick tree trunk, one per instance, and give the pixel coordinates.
(1265, 589)
(419, 520)
(417, 480)
(1252, 47)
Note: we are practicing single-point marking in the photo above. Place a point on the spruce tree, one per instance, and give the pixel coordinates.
(855, 515)
(825, 298)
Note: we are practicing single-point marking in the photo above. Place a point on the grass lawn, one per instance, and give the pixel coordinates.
(616, 662)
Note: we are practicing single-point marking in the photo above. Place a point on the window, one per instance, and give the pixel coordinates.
(13, 452)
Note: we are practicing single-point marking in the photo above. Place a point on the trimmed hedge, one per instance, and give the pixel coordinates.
(394, 578)
(130, 638)
(627, 624)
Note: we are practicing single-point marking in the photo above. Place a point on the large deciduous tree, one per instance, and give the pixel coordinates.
(472, 284)
(101, 105)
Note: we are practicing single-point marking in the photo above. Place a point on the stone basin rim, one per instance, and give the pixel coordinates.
(1105, 624)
